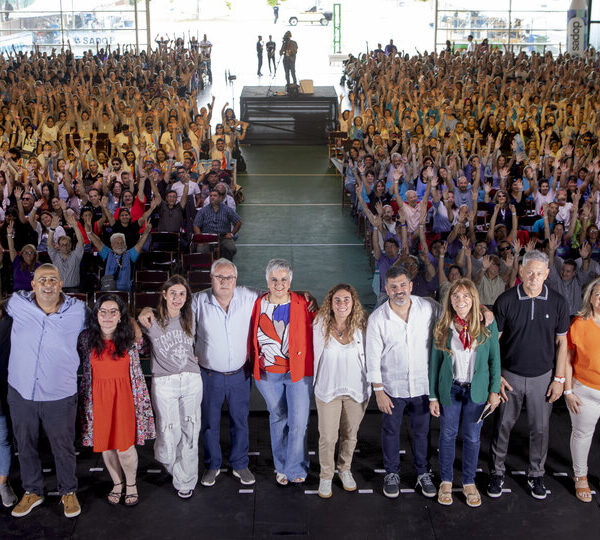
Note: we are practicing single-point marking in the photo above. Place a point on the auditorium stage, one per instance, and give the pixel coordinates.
(230, 511)
(276, 118)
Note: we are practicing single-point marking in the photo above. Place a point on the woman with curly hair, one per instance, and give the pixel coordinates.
(464, 373)
(176, 383)
(340, 381)
(115, 404)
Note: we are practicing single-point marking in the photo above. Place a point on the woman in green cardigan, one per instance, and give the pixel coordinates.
(464, 373)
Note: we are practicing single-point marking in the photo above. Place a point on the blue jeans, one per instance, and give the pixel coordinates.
(288, 404)
(236, 390)
(461, 402)
(418, 412)
(5, 450)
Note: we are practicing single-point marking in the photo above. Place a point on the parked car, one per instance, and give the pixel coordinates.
(313, 15)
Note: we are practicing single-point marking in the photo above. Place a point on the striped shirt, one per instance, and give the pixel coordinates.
(219, 222)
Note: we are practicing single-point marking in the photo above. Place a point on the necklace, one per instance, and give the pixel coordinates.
(340, 333)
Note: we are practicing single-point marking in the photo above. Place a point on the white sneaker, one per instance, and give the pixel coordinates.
(347, 481)
(325, 488)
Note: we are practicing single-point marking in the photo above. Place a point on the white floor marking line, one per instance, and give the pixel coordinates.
(53, 493)
(402, 452)
(311, 492)
(518, 473)
(561, 474)
(365, 491)
(379, 471)
(46, 470)
(223, 470)
(246, 491)
(96, 469)
(407, 490)
(478, 470)
(254, 453)
(154, 471)
(299, 245)
(291, 204)
(311, 452)
(506, 490)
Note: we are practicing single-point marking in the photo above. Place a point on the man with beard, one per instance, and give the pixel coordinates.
(119, 259)
(398, 347)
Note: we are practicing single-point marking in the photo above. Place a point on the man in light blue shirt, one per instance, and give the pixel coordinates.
(222, 325)
(42, 378)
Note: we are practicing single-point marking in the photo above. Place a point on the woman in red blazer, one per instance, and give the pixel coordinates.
(282, 360)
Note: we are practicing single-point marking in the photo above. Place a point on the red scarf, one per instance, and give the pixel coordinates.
(463, 332)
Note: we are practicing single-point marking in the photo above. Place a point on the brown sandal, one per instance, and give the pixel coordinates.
(583, 491)
(472, 495)
(445, 493)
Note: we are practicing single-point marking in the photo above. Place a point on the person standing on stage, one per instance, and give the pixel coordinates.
(289, 49)
(271, 46)
(259, 52)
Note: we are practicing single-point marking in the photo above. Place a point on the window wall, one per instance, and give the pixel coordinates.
(521, 23)
(49, 24)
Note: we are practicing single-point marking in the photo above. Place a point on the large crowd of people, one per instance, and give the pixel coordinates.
(104, 143)
(476, 176)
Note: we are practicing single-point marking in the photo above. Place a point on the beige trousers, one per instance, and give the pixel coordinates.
(342, 415)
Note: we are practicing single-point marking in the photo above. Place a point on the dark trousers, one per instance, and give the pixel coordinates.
(289, 65)
(418, 412)
(58, 421)
(217, 388)
(271, 58)
(260, 61)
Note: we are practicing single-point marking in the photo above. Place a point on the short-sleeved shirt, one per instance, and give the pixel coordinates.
(529, 327)
(219, 222)
(584, 342)
(171, 219)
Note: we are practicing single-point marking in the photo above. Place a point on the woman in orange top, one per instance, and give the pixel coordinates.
(115, 404)
(582, 385)
(282, 354)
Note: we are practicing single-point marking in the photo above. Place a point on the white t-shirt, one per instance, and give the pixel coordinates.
(463, 360)
(341, 373)
(541, 200)
(178, 187)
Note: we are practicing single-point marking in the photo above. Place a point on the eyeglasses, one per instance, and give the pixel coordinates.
(224, 279)
(28, 253)
(505, 248)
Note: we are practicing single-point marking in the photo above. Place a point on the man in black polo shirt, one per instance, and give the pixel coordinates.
(533, 321)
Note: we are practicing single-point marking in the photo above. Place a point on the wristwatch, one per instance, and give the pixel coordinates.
(561, 380)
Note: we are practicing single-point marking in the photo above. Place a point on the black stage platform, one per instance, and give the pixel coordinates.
(232, 511)
(278, 118)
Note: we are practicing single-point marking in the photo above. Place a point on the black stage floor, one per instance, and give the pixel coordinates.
(228, 511)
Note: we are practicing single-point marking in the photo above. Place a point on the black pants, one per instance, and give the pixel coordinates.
(260, 61)
(271, 58)
(289, 65)
(58, 420)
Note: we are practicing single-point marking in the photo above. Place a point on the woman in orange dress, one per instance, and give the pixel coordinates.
(116, 411)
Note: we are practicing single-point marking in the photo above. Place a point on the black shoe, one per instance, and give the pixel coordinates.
(495, 486)
(537, 487)
(391, 485)
(426, 484)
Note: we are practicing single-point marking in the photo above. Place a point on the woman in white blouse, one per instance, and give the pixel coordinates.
(464, 374)
(340, 382)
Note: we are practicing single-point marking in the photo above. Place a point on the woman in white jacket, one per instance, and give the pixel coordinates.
(340, 382)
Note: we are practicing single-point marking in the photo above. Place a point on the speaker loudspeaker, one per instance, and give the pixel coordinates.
(307, 87)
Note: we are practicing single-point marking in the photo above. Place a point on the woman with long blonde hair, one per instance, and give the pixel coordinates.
(464, 373)
(582, 385)
(340, 382)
